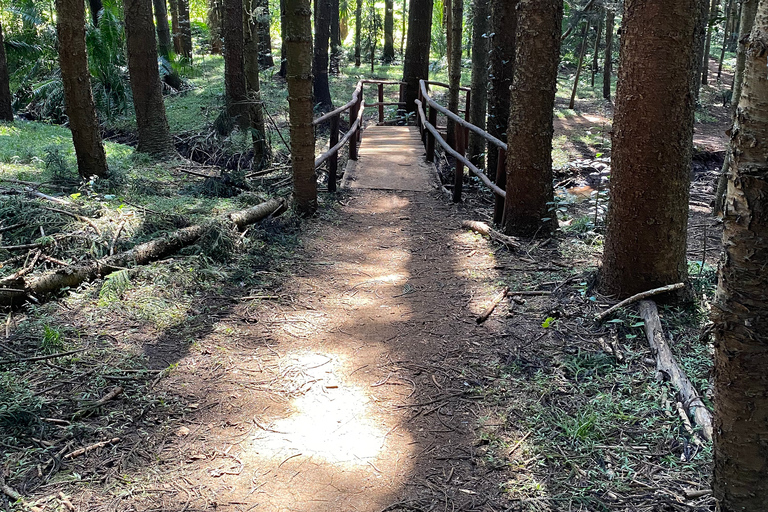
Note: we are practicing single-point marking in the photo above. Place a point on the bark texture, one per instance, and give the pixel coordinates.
(708, 42)
(416, 65)
(321, 89)
(234, 64)
(283, 63)
(740, 312)
(154, 134)
(6, 109)
(215, 17)
(502, 55)
(454, 69)
(298, 48)
(265, 39)
(358, 33)
(389, 32)
(608, 59)
(529, 171)
(253, 85)
(645, 242)
(185, 30)
(699, 42)
(78, 99)
(335, 63)
(476, 149)
(175, 30)
(164, 44)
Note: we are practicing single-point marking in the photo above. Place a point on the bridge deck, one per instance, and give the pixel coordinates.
(390, 158)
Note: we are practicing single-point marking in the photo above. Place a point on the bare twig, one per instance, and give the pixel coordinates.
(87, 449)
(43, 358)
(495, 302)
(639, 296)
(88, 221)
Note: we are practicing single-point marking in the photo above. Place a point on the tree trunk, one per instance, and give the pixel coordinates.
(320, 59)
(502, 55)
(389, 32)
(454, 73)
(78, 99)
(708, 43)
(403, 29)
(579, 66)
(163, 31)
(595, 66)
(298, 46)
(358, 35)
(740, 312)
(416, 65)
(265, 39)
(6, 109)
(477, 144)
(214, 25)
(283, 62)
(186, 29)
(645, 243)
(95, 7)
(447, 24)
(733, 33)
(154, 134)
(234, 64)
(175, 30)
(335, 65)
(253, 87)
(699, 42)
(608, 60)
(529, 172)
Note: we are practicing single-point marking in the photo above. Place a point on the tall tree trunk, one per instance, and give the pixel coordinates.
(6, 108)
(335, 64)
(476, 149)
(265, 39)
(320, 59)
(740, 312)
(416, 65)
(235, 89)
(503, 32)
(185, 28)
(608, 59)
(403, 29)
(214, 25)
(389, 31)
(595, 53)
(454, 57)
(95, 7)
(358, 32)
(733, 32)
(708, 43)
(154, 134)
(175, 27)
(645, 243)
(699, 42)
(253, 87)
(529, 172)
(163, 31)
(298, 46)
(447, 24)
(748, 13)
(579, 66)
(283, 62)
(78, 99)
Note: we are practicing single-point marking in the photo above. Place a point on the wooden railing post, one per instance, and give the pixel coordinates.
(458, 175)
(501, 181)
(430, 137)
(381, 103)
(359, 106)
(333, 164)
(353, 138)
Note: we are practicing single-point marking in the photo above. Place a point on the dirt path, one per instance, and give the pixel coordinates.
(350, 392)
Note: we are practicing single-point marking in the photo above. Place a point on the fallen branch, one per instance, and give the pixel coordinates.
(74, 275)
(11, 493)
(76, 216)
(95, 446)
(98, 403)
(495, 302)
(12, 226)
(485, 229)
(43, 358)
(665, 363)
(639, 296)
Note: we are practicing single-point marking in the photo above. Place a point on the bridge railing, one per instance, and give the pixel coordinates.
(355, 107)
(430, 134)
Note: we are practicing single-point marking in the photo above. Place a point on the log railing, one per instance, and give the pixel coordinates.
(355, 106)
(430, 135)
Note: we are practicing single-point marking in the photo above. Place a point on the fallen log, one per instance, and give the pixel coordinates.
(495, 302)
(666, 364)
(73, 276)
(485, 229)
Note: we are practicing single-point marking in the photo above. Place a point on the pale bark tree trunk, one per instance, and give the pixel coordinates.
(163, 31)
(502, 55)
(95, 8)
(298, 46)
(416, 65)
(154, 134)
(476, 149)
(235, 89)
(6, 108)
(358, 32)
(265, 39)
(529, 172)
(321, 89)
(608, 59)
(708, 42)
(335, 63)
(454, 73)
(645, 243)
(389, 32)
(740, 312)
(185, 29)
(253, 86)
(214, 25)
(78, 99)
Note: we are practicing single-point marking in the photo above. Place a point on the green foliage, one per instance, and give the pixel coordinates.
(115, 284)
(52, 341)
(19, 408)
(107, 62)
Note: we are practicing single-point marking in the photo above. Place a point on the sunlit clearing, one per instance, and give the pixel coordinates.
(330, 420)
